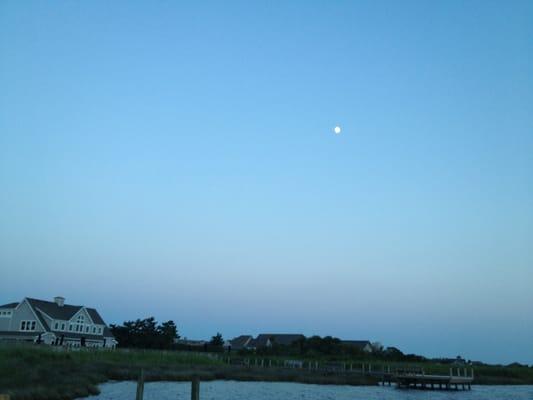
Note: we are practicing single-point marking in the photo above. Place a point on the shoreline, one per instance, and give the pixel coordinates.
(41, 373)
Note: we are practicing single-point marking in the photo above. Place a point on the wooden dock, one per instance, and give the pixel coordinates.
(420, 380)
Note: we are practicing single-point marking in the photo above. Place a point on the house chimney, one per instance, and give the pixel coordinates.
(60, 301)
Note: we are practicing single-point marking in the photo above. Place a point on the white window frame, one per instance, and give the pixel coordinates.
(27, 325)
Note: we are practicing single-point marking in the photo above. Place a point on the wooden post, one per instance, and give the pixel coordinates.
(195, 389)
(451, 371)
(140, 386)
(472, 373)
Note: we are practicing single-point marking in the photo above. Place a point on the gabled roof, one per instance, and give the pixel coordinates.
(97, 319)
(284, 339)
(240, 341)
(42, 320)
(65, 312)
(50, 308)
(9, 305)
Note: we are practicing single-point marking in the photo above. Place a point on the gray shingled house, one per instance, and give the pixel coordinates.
(54, 323)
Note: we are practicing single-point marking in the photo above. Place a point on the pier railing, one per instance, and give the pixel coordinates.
(403, 376)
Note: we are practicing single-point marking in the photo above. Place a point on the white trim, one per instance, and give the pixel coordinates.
(18, 305)
(27, 323)
(42, 312)
(86, 312)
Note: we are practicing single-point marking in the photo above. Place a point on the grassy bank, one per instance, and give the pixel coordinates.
(47, 373)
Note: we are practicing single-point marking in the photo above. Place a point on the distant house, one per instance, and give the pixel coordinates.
(241, 342)
(247, 342)
(363, 345)
(272, 339)
(54, 323)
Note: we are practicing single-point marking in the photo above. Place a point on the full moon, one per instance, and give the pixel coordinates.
(337, 130)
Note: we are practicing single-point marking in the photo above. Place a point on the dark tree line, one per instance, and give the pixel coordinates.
(146, 334)
(333, 348)
(312, 347)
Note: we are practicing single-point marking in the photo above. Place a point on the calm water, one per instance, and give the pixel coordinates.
(231, 390)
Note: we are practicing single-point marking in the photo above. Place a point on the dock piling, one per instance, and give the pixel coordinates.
(140, 386)
(195, 389)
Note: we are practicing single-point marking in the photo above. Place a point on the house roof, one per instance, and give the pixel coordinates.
(284, 339)
(50, 308)
(42, 320)
(9, 305)
(240, 341)
(97, 319)
(65, 313)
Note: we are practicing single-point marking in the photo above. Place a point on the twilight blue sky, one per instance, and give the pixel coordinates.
(178, 160)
